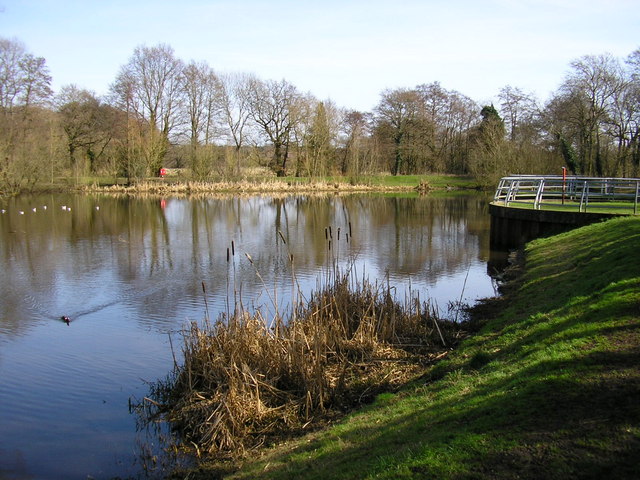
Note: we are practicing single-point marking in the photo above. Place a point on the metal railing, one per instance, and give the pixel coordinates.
(618, 195)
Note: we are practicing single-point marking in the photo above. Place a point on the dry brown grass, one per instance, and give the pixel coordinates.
(245, 381)
(162, 187)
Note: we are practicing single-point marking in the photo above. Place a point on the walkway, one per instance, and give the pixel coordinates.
(573, 193)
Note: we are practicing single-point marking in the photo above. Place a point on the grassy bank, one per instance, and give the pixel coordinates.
(548, 388)
(400, 182)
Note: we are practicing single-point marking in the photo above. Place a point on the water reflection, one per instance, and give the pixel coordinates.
(127, 271)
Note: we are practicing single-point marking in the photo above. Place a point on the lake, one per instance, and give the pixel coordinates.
(131, 272)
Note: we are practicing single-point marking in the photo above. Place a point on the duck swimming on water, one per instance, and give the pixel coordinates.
(65, 319)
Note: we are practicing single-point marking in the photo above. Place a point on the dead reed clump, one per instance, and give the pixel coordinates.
(244, 382)
(275, 186)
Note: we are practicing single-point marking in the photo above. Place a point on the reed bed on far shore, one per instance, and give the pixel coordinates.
(247, 381)
(243, 186)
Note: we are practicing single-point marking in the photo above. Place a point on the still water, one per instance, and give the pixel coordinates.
(130, 272)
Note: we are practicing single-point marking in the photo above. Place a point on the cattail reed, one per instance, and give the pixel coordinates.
(183, 186)
(245, 380)
(206, 305)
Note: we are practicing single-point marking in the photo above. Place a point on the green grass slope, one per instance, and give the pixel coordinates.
(548, 388)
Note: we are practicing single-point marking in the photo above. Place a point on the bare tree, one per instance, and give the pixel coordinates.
(88, 124)
(401, 114)
(35, 80)
(275, 110)
(25, 125)
(590, 86)
(518, 109)
(235, 106)
(450, 116)
(150, 86)
(355, 132)
(11, 54)
(202, 91)
(24, 78)
(632, 102)
(320, 138)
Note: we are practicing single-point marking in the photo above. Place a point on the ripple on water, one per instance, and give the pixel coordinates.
(130, 274)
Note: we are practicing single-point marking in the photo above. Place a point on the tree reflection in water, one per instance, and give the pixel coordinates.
(130, 270)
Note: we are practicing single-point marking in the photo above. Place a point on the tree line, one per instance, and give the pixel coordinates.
(163, 111)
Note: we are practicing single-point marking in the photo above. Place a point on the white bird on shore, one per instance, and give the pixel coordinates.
(34, 209)
(21, 212)
(64, 207)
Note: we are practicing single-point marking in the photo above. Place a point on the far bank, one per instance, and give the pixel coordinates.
(179, 182)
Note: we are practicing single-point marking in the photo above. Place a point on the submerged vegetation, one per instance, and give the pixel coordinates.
(547, 388)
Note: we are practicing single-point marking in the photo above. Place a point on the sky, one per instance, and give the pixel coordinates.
(347, 51)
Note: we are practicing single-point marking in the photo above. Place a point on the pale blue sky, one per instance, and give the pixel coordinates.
(348, 51)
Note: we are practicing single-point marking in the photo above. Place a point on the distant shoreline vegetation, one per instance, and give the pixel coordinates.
(162, 112)
(177, 185)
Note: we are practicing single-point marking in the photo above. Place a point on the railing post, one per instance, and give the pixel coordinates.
(536, 202)
(506, 198)
(519, 190)
(496, 197)
(514, 195)
(584, 198)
